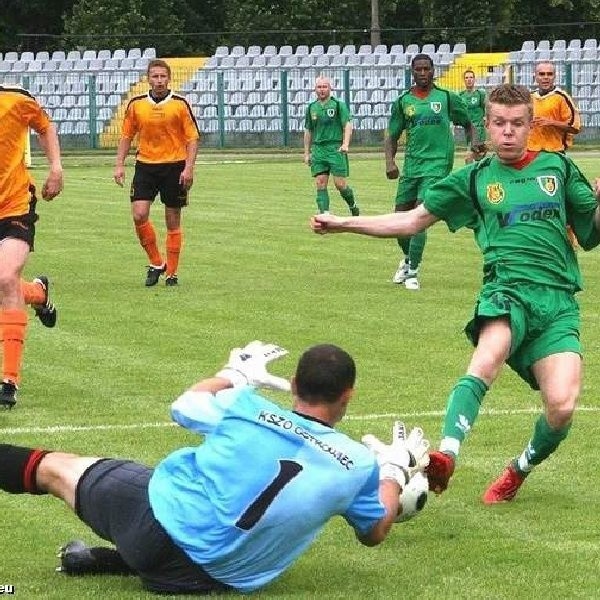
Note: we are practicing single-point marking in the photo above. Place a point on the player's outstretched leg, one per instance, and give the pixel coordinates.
(77, 558)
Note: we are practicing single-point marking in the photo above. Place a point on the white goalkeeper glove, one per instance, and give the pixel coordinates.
(248, 366)
(404, 457)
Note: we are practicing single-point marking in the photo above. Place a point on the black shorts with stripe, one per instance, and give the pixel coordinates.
(21, 227)
(152, 179)
(112, 499)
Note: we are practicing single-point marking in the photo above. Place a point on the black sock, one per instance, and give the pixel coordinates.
(18, 467)
(110, 561)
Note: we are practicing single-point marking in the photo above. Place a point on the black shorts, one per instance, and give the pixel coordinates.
(21, 227)
(112, 499)
(150, 179)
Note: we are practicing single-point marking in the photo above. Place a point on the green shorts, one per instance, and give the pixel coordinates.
(411, 190)
(543, 321)
(326, 158)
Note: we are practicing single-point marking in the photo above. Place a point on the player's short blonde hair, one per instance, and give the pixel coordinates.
(158, 62)
(508, 94)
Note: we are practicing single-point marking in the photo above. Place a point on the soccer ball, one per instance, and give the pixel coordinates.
(413, 497)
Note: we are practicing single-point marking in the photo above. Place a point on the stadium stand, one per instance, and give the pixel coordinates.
(263, 90)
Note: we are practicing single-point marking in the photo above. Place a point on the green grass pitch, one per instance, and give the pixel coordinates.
(102, 381)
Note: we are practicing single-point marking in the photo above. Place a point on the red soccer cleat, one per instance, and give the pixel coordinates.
(505, 488)
(439, 471)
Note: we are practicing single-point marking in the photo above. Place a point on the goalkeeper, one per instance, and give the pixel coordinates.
(235, 511)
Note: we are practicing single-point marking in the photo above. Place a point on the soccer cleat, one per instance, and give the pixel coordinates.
(505, 488)
(401, 273)
(354, 210)
(77, 558)
(45, 312)
(171, 280)
(154, 274)
(411, 282)
(8, 394)
(439, 470)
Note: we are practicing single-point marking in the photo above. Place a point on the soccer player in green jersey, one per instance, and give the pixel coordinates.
(426, 112)
(518, 203)
(327, 133)
(474, 100)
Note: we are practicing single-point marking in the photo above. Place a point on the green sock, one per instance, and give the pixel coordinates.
(404, 243)
(323, 200)
(461, 411)
(415, 252)
(348, 195)
(544, 442)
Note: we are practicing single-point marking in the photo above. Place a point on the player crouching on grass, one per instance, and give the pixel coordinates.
(285, 474)
(518, 204)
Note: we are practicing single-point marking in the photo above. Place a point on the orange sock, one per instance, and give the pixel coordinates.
(13, 323)
(147, 237)
(33, 293)
(174, 243)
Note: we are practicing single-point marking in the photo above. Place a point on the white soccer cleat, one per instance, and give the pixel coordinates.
(411, 282)
(401, 273)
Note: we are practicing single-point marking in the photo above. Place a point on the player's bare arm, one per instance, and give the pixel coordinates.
(390, 148)
(347, 136)
(307, 143)
(389, 225)
(187, 175)
(389, 495)
(122, 151)
(51, 147)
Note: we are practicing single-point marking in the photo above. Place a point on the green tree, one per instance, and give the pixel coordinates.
(125, 24)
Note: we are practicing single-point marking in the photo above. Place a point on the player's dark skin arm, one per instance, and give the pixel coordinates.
(390, 147)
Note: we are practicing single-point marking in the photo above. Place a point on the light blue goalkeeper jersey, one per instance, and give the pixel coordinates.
(249, 500)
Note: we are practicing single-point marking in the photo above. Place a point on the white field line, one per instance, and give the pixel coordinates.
(372, 417)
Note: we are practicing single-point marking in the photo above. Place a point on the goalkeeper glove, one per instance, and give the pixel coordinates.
(248, 366)
(404, 457)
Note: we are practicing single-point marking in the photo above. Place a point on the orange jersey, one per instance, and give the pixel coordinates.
(559, 106)
(164, 128)
(18, 112)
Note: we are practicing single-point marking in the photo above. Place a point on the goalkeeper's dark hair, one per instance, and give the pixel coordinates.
(508, 94)
(324, 373)
(417, 57)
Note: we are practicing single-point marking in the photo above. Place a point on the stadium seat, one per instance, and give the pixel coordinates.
(42, 56)
(285, 51)
(237, 51)
(104, 54)
(543, 45)
(428, 49)
(65, 128)
(119, 54)
(5, 66)
(397, 49)
(589, 43)
(134, 53)
(333, 49)
(269, 50)
(349, 49)
(528, 46)
(365, 49)
(242, 62)
(459, 48)
(58, 55)
(27, 56)
(338, 60)
(34, 65)
(317, 50)
(11, 56)
(444, 48)
(245, 125)
(380, 49)
(412, 49)
(302, 50)
(367, 60)
(253, 51)
(110, 64)
(149, 53)
(18, 66)
(89, 55)
(221, 51)
(574, 44)
(323, 60)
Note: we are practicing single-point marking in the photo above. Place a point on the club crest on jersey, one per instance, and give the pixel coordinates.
(436, 107)
(548, 184)
(331, 112)
(474, 100)
(409, 111)
(495, 193)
